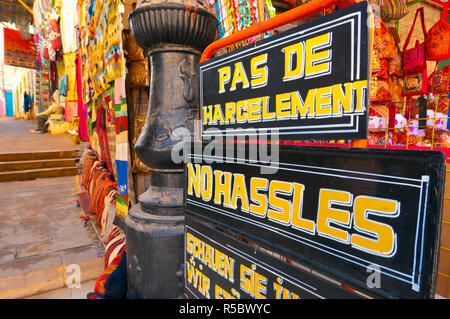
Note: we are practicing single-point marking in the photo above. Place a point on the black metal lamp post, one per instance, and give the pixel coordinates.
(175, 33)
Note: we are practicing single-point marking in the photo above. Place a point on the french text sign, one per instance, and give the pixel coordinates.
(341, 211)
(310, 82)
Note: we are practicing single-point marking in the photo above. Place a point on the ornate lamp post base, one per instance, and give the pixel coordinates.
(175, 34)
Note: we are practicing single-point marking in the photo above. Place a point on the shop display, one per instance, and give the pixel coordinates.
(393, 9)
(437, 40)
(414, 58)
(86, 54)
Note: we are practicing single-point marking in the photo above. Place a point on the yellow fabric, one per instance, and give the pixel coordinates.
(71, 71)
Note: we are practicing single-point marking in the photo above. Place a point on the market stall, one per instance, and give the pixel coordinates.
(80, 43)
(101, 75)
(409, 88)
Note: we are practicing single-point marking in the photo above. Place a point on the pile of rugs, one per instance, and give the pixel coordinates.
(97, 193)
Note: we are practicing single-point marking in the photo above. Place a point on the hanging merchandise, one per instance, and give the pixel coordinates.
(395, 64)
(414, 62)
(54, 31)
(393, 9)
(345, 3)
(68, 22)
(415, 83)
(71, 71)
(437, 40)
(396, 88)
(383, 91)
(438, 81)
(414, 58)
(383, 42)
(63, 85)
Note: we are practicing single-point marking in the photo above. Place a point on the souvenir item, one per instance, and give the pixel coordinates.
(414, 58)
(437, 40)
(415, 83)
(395, 63)
(438, 81)
(393, 9)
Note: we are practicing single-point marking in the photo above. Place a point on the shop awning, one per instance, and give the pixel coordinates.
(18, 51)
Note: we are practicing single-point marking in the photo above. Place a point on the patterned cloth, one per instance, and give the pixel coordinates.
(112, 283)
(121, 120)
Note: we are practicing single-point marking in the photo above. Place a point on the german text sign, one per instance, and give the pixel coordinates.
(310, 82)
(344, 212)
(221, 267)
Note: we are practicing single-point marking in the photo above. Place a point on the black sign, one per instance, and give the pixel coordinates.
(347, 212)
(310, 82)
(221, 267)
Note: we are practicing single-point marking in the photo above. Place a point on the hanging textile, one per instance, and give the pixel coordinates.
(81, 106)
(69, 22)
(102, 135)
(121, 118)
(70, 69)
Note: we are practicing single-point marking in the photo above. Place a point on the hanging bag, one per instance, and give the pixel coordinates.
(439, 80)
(415, 83)
(437, 40)
(414, 58)
(395, 64)
(393, 9)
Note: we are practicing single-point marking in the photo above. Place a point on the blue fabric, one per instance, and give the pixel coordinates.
(116, 284)
(63, 85)
(122, 173)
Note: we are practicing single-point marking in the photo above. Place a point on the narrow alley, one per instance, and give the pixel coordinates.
(41, 232)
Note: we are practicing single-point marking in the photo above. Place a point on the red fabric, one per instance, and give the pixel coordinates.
(100, 283)
(414, 58)
(437, 41)
(15, 43)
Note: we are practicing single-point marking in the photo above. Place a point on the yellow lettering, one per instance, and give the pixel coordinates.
(189, 240)
(224, 78)
(342, 102)
(297, 208)
(256, 184)
(206, 185)
(222, 188)
(359, 86)
(383, 239)
(297, 50)
(254, 110)
(326, 214)
(282, 105)
(218, 116)
(266, 115)
(194, 179)
(239, 76)
(323, 102)
(318, 63)
(230, 111)
(280, 210)
(259, 75)
(239, 191)
(303, 108)
(241, 114)
(207, 114)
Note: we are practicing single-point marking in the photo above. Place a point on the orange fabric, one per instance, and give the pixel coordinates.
(437, 40)
(101, 280)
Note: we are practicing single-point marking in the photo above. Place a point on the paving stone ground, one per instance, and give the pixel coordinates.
(15, 136)
(41, 233)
